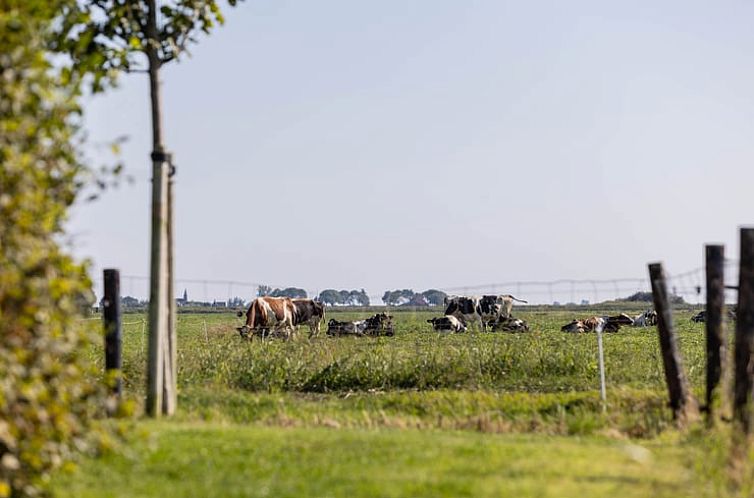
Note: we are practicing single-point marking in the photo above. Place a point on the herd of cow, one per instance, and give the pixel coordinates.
(267, 316)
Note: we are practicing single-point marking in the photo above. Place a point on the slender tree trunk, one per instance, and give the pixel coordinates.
(159, 378)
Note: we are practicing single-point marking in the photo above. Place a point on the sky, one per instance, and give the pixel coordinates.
(438, 144)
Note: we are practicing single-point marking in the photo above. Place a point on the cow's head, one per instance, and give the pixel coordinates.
(244, 331)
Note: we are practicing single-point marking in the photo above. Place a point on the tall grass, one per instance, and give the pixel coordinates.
(543, 360)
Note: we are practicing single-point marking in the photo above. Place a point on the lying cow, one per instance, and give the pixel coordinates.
(574, 326)
(606, 323)
(646, 319)
(509, 324)
(380, 324)
(701, 317)
(338, 328)
(268, 315)
(309, 312)
(447, 323)
(613, 323)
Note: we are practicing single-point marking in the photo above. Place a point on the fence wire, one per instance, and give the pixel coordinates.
(689, 285)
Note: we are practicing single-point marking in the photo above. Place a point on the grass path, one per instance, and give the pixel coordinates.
(209, 459)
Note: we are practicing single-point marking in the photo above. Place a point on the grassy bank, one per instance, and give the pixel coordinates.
(206, 460)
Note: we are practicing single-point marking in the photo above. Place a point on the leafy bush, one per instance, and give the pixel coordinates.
(46, 381)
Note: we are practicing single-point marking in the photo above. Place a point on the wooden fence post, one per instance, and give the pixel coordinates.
(158, 289)
(169, 390)
(716, 347)
(744, 334)
(683, 404)
(112, 321)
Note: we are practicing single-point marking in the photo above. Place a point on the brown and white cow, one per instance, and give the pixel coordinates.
(574, 326)
(309, 312)
(604, 323)
(268, 314)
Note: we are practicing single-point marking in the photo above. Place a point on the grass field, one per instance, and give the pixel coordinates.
(418, 414)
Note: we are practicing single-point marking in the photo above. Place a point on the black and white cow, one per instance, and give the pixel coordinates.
(481, 310)
(447, 323)
(337, 328)
(701, 317)
(379, 324)
(646, 319)
(464, 308)
(309, 312)
(509, 324)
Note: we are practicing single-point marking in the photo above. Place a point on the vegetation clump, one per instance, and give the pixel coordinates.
(48, 387)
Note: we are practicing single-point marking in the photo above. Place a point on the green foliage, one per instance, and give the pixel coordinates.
(646, 297)
(434, 297)
(398, 297)
(48, 389)
(332, 297)
(292, 292)
(106, 37)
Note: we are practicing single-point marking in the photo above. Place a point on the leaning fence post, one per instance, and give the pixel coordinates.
(715, 270)
(682, 403)
(112, 321)
(744, 334)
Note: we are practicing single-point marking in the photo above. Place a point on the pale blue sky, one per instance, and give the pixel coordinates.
(441, 144)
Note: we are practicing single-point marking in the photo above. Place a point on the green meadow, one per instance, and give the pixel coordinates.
(417, 414)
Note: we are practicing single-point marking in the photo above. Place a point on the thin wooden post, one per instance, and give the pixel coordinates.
(715, 270)
(683, 404)
(169, 385)
(112, 321)
(159, 307)
(744, 343)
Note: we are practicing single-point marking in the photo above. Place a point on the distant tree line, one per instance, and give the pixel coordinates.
(407, 297)
(292, 292)
(646, 297)
(332, 297)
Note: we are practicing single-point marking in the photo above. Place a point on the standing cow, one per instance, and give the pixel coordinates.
(496, 308)
(309, 312)
(481, 310)
(464, 308)
(268, 314)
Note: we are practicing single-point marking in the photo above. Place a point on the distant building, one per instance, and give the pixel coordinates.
(182, 301)
(219, 304)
